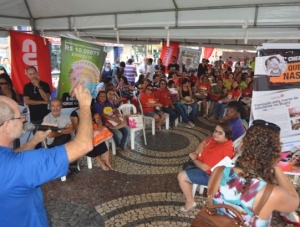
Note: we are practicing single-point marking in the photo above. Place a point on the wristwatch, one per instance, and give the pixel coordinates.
(40, 87)
(59, 131)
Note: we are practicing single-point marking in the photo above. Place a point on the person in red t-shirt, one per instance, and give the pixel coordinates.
(203, 91)
(193, 78)
(151, 107)
(233, 95)
(207, 155)
(163, 95)
(247, 92)
(180, 79)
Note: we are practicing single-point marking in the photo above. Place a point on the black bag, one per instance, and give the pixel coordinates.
(190, 164)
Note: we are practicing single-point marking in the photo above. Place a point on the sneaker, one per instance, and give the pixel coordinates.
(188, 126)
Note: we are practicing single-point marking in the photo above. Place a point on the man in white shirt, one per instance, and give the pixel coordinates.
(150, 69)
(143, 67)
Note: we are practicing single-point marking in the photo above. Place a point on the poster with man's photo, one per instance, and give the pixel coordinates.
(188, 59)
(277, 67)
(80, 60)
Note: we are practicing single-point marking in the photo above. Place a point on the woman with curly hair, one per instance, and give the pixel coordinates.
(242, 186)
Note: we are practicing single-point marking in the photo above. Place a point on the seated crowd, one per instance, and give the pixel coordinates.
(221, 93)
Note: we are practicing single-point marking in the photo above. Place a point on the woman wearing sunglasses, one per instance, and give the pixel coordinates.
(151, 107)
(6, 88)
(242, 186)
(207, 155)
(163, 95)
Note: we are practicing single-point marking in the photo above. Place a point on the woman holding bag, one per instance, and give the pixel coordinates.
(243, 185)
(113, 120)
(101, 148)
(207, 155)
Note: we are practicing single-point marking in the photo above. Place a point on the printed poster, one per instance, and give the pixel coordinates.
(280, 107)
(80, 60)
(276, 97)
(290, 156)
(188, 58)
(277, 67)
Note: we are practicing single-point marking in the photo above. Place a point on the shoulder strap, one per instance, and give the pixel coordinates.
(215, 183)
(264, 198)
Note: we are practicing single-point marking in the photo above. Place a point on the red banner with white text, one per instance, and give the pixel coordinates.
(29, 50)
(168, 52)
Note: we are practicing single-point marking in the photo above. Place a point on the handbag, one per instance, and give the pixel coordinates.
(214, 97)
(190, 164)
(208, 217)
(135, 121)
(101, 135)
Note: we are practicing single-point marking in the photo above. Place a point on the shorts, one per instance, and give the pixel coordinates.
(150, 114)
(197, 176)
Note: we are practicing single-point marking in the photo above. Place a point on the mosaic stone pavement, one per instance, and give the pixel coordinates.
(142, 191)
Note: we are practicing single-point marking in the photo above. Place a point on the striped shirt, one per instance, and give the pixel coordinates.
(130, 72)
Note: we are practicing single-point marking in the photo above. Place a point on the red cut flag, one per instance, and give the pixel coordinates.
(208, 52)
(29, 50)
(168, 52)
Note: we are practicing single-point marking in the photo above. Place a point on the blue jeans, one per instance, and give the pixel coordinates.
(174, 113)
(121, 136)
(222, 107)
(193, 113)
(182, 110)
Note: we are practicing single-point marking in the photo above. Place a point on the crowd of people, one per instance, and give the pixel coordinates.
(221, 91)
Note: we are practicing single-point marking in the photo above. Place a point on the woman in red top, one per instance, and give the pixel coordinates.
(163, 95)
(233, 95)
(203, 91)
(151, 107)
(247, 92)
(207, 155)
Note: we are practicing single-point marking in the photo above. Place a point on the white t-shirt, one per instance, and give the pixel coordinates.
(142, 69)
(151, 70)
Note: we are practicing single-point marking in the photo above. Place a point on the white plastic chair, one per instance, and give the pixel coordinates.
(224, 162)
(113, 148)
(152, 118)
(146, 118)
(130, 108)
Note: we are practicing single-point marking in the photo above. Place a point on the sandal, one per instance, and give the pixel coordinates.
(126, 150)
(105, 168)
(182, 209)
(111, 168)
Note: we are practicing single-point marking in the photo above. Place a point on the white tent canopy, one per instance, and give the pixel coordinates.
(203, 23)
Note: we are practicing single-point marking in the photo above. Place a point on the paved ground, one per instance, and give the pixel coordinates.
(142, 191)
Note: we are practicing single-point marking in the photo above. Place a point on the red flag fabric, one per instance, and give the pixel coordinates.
(208, 52)
(29, 50)
(168, 52)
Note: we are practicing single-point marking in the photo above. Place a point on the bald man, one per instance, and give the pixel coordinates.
(24, 170)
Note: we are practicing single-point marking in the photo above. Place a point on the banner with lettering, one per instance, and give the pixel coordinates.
(277, 67)
(29, 50)
(168, 52)
(276, 97)
(80, 60)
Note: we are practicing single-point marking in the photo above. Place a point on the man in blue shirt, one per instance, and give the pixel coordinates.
(233, 117)
(23, 171)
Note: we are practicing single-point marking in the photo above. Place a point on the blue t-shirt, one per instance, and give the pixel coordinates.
(22, 173)
(237, 128)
